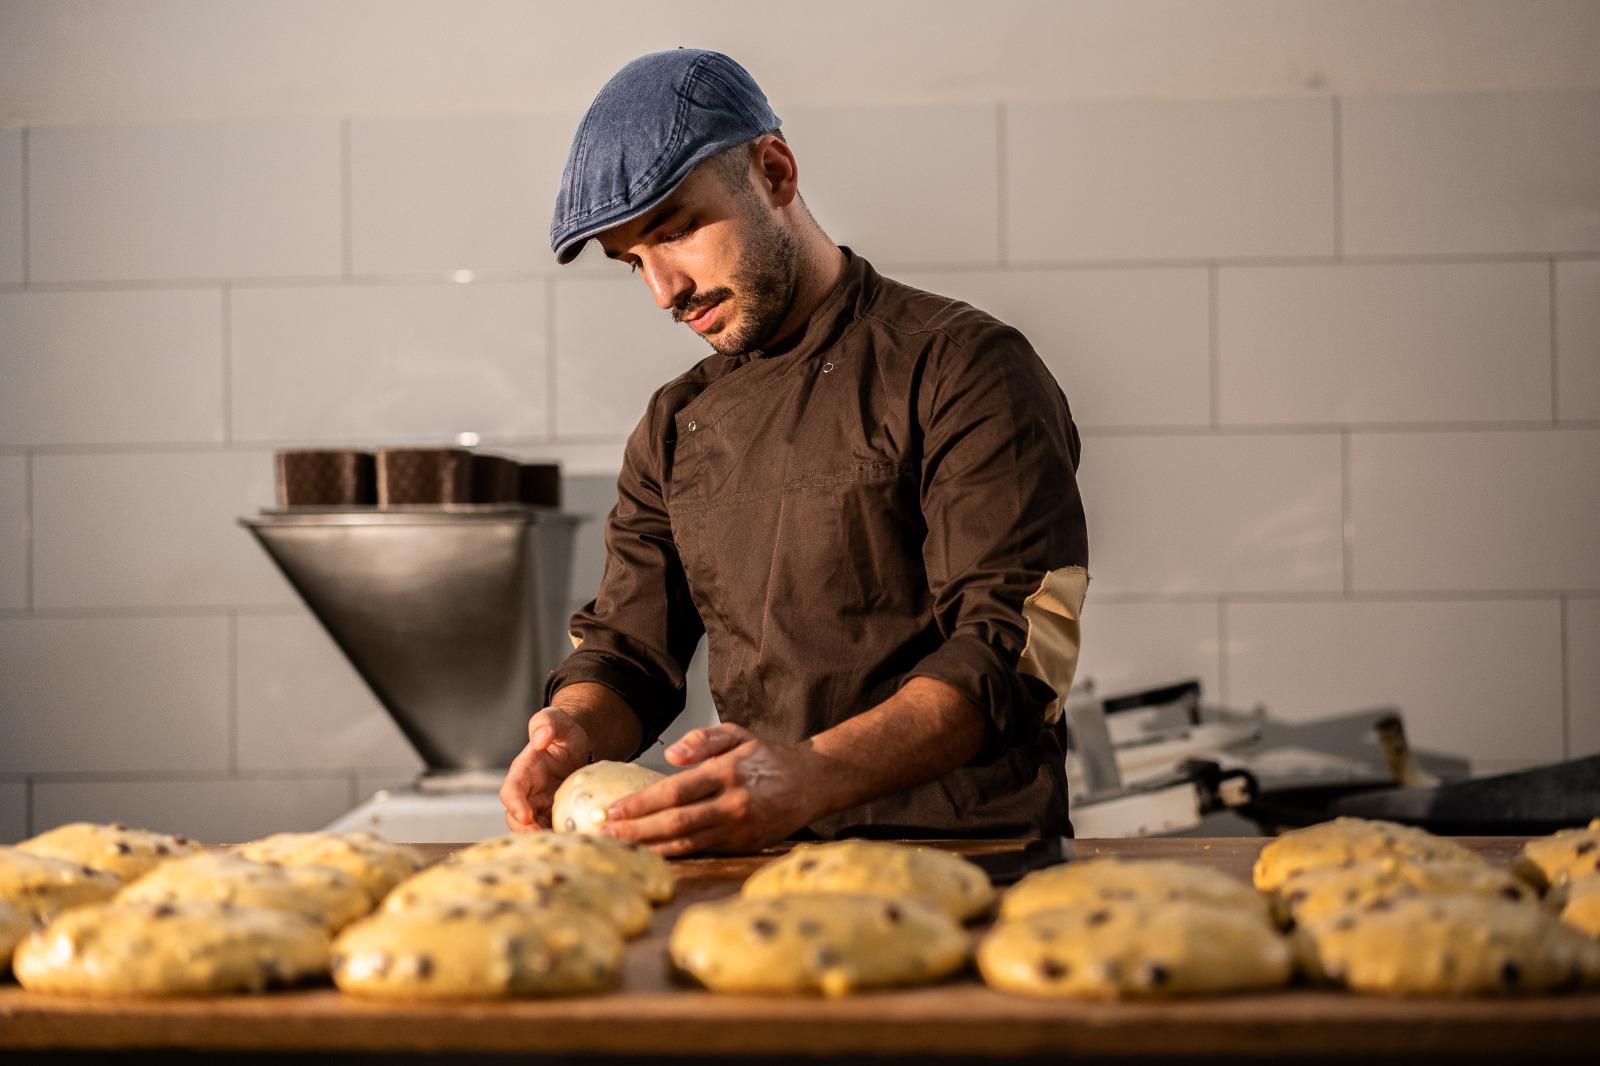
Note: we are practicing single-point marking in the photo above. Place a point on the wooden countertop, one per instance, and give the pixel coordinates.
(652, 1015)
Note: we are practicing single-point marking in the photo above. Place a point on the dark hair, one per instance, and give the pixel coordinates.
(732, 164)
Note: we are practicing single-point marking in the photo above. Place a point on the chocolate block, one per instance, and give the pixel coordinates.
(494, 479)
(424, 476)
(541, 484)
(326, 478)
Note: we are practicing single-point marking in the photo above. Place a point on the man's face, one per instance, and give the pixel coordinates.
(716, 257)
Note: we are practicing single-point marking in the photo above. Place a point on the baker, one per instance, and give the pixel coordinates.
(864, 499)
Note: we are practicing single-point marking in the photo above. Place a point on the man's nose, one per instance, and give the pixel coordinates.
(668, 284)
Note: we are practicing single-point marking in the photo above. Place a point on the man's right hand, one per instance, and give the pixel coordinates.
(557, 746)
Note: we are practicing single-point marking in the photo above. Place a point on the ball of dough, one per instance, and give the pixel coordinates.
(579, 805)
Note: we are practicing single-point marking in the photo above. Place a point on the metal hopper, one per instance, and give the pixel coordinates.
(453, 616)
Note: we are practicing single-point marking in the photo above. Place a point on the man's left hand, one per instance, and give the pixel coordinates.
(743, 795)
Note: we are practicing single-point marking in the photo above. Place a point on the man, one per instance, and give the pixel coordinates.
(864, 498)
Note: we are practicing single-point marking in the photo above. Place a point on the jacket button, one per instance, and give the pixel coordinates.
(827, 368)
(691, 426)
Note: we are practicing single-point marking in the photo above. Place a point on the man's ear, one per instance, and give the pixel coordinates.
(780, 174)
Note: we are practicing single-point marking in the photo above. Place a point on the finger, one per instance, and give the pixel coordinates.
(676, 791)
(514, 789)
(705, 840)
(698, 745)
(674, 823)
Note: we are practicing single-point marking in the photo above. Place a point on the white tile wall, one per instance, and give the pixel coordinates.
(1149, 179)
(208, 200)
(151, 530)
(114, 694)
(614, 347)
(1472, 173)
(13, 811)
(1516, 511)
(217, 811)
(137, 489)
(1583, 677)
(460, 193)
(1208, 514)
(10, 207)
(303, 707)
(1578, 340)
(1129, 347)
(885, 181)
(1390, 343)
(13, 532)
(1129, 646)
(1480, 679)
(111, 367)
(400, 362)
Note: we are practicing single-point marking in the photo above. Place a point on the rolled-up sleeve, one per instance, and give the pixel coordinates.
(1006, 551)
(637, 635)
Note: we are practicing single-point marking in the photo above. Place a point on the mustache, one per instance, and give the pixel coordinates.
(695, 304)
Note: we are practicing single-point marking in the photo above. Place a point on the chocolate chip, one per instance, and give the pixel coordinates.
(892, 914)
(808, 927)
(184, 841)
(119, 827)
(826, 959)
(1289, 924)
(1053, 969)
(89, 871)
(1513, 893)
(1345, 923)
(1379, 905)
(1351, 895)
(1156, 974)
(1585, 848)
(764, 928)
(162, 849)
(807, 865)
(1510, 973)
(122, 848)
(558, 878)
(488, 879)
(424, 967)
(455, 914)
(1100, 917)
(165, 910)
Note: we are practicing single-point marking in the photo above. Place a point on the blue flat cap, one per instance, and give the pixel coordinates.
(652, 123)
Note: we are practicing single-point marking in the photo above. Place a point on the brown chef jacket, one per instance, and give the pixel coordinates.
(890, 493)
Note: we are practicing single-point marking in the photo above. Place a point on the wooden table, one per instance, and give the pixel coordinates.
(652, 1016)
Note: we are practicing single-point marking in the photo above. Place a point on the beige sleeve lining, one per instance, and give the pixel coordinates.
(1054, 638)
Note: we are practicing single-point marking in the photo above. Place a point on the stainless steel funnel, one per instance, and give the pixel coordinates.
(453, 617)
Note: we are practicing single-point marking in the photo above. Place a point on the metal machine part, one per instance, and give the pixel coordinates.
(452, 616)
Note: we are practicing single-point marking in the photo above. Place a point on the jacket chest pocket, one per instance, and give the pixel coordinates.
(823, 547)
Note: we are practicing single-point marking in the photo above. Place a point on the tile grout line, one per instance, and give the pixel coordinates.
(1338, 178)
(27, 210)
(233, 694)
(346, 198)
(1222, 649)
(1346, 498)
(1214, 342)
(1555, 345)
(227, 363)
(551, 412)
(1002, 207)
(1566, 683)
(27, 532)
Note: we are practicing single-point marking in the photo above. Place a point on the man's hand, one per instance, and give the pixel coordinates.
(557, 745)
(743, 795)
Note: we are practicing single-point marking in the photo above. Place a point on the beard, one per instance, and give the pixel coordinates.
(764, 285)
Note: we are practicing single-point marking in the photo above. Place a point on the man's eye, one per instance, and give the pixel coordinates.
(680, 234)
